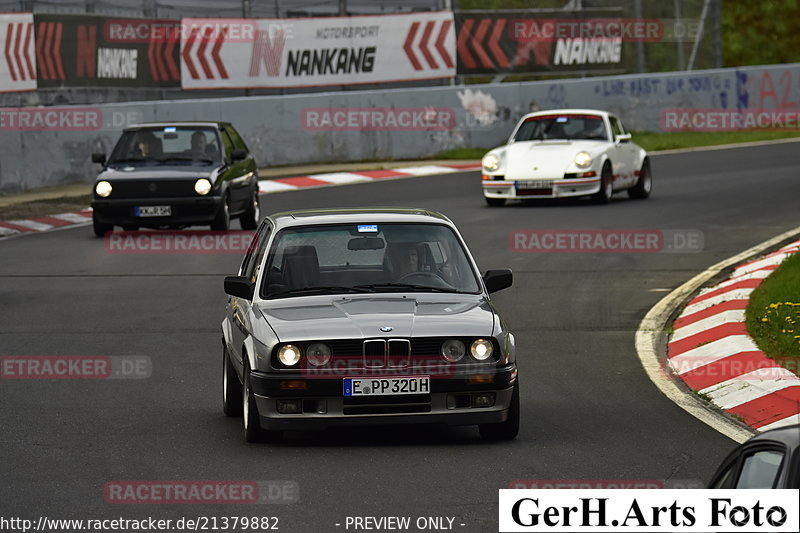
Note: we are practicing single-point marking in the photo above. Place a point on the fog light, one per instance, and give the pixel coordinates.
(290, 407)
(483, 399)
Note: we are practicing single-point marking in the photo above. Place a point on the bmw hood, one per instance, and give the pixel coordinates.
(357, 316)
(544, 159)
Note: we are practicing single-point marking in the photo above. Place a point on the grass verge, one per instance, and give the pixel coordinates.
(773, 315)
(652, 141)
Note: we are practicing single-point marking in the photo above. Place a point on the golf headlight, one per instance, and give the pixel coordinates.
(491, 162)
(481, 349)
(103, 189)
(318, 354)
(289, 355)
(202, 186)
(583, 159)
(453, 350)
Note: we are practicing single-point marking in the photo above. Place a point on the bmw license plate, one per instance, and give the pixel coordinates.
(387, 386)
(535, 184)
(153, 211)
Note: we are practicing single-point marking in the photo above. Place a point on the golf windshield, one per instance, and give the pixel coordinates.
(167, 145)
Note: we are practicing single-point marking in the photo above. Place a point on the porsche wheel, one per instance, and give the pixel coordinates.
(644, 185)
(606, 192)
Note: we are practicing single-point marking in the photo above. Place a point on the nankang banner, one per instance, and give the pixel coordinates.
(519, 42)
(98, 51)
(253, 53)
(18, 66)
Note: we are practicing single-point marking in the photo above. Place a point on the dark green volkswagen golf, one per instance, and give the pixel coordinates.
(176, 174)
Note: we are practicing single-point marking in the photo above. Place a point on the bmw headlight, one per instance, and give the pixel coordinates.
(583, 159)
(103, 189)
(202, 186)
(289, 355)
(453, 350)
(481, 349)
(318, 354)
(490, 162)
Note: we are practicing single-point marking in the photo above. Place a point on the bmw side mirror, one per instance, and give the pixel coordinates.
(238, 154)
(239, 286)
(624, 138)
(497, 280)
(99, 158)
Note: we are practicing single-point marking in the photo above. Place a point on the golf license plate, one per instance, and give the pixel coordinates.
(153, 211)
(535, 184)
(387, 386)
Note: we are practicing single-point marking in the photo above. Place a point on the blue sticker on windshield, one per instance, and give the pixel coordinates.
(170, 129)
(561, 119)
(368, 228)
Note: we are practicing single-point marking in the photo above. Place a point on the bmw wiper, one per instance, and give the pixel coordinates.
(412, 286)
(320, 290)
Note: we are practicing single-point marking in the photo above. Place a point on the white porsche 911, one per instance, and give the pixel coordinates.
(566, 152)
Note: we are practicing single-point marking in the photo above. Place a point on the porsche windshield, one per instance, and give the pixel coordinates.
(167, 145)
(543, 127)
(356, 258)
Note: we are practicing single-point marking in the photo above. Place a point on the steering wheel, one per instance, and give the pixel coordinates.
(420, 278)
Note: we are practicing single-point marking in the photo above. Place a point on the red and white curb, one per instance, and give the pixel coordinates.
(713, 354)
(38, 224)
(363, 176)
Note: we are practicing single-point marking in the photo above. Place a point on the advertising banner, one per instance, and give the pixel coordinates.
(252, 53)
(18, 61)
(96, 51)
(523, 42)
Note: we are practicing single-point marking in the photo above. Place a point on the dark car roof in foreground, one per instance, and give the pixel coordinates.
(309, 217)
(188, 123)
(789, 435)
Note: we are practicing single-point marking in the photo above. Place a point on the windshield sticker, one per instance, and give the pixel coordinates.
(368, 228)
(561, 119)
(170, 129)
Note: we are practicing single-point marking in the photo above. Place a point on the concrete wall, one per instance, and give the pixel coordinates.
(474, 116)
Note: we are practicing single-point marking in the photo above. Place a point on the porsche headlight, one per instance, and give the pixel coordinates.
(491, 162)
(583, 159)
(289, 355)
(103, 189)
(481, 349)
(202, 186)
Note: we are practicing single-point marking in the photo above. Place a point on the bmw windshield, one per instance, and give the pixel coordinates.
(353, 258)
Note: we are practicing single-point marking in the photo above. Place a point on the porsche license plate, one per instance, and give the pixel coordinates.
(153, 211)
(387, 386)
(535, 184)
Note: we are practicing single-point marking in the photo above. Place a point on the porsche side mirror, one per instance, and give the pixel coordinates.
(497, 280)
(624, 138)
(239, 286)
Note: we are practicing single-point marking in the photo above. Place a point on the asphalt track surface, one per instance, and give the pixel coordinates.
(588, 409)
